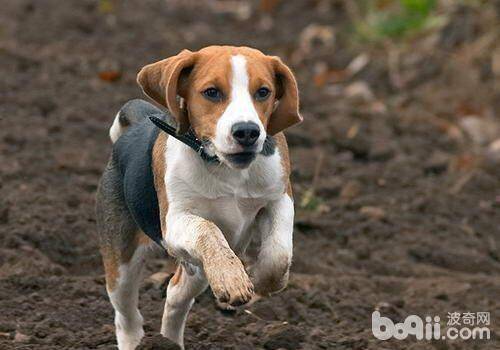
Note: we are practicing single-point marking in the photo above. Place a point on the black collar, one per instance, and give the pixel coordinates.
(188, 139)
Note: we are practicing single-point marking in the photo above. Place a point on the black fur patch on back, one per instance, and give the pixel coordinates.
(132, 153)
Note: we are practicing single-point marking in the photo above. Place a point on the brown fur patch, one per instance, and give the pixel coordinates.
(111, 260)
(113, 257)
(177, 276)
(142, 239)
(285, 161)
(159, 169)
(162, 81)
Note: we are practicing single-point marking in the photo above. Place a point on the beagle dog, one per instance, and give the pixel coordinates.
(237, 101)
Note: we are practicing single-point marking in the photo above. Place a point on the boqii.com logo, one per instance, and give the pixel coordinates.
(467, 325)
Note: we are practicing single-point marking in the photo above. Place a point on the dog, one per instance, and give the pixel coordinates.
(236, 101)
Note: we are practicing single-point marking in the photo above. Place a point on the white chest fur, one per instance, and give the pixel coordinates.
(229, 198)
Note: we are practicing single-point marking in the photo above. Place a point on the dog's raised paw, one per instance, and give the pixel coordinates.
(230, 283)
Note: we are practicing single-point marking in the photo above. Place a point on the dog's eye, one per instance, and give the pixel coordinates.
(262, 94)
(213, 94)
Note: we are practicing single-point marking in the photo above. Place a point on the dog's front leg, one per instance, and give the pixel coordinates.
(200, 242)
(204, 251)
(270, 272)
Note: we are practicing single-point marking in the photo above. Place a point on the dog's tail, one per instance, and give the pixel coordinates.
(131, 113)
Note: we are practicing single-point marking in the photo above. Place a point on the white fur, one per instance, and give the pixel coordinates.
(240, 109)
(116, 129)
(231, 199)
(125, 298)
(277, 245)
(180, 299)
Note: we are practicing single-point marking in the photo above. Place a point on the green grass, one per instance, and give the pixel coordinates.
(395, 19)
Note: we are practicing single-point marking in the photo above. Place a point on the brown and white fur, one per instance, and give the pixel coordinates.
(209, 213)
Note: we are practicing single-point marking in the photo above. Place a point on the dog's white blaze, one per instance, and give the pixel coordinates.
(240, 109)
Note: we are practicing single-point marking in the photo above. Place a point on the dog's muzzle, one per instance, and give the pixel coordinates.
(240, 160)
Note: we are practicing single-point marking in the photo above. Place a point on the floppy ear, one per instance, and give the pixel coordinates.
(161, 81)
(286, 112)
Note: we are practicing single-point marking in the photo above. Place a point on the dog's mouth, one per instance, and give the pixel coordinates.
(240, 160)
(236, 160)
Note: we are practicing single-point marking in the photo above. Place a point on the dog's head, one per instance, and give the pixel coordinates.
(232, 97)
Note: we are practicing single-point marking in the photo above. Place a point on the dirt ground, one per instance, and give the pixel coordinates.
(398, 199)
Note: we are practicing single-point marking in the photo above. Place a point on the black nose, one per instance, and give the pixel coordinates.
(245, 133)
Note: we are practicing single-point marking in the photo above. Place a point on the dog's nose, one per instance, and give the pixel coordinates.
(245, 133)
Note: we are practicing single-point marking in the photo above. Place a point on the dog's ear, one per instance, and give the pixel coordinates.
(286, 112)
(164, 80)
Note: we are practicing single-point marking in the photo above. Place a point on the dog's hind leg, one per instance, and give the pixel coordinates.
(122, 282)
(183, 287)
(123, 248)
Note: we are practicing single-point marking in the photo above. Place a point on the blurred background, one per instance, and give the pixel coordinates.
(396, 167)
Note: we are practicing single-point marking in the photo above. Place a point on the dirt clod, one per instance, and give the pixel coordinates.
(158, 342)
(284, 337)
(21, 338)
(375, 213)
(350, 190)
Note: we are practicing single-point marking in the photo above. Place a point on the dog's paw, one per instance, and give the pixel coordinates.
(227, 309)
(229, 282)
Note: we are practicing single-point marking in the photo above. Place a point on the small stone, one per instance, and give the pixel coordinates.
(314, 35)
(157, 342)
(381, 150)
(437, 163)
(492, 155)
(359, 90)
(284, 337)
(374, 213)
(351, 136)
(350, 190)
(480, 130)
(21, 338)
